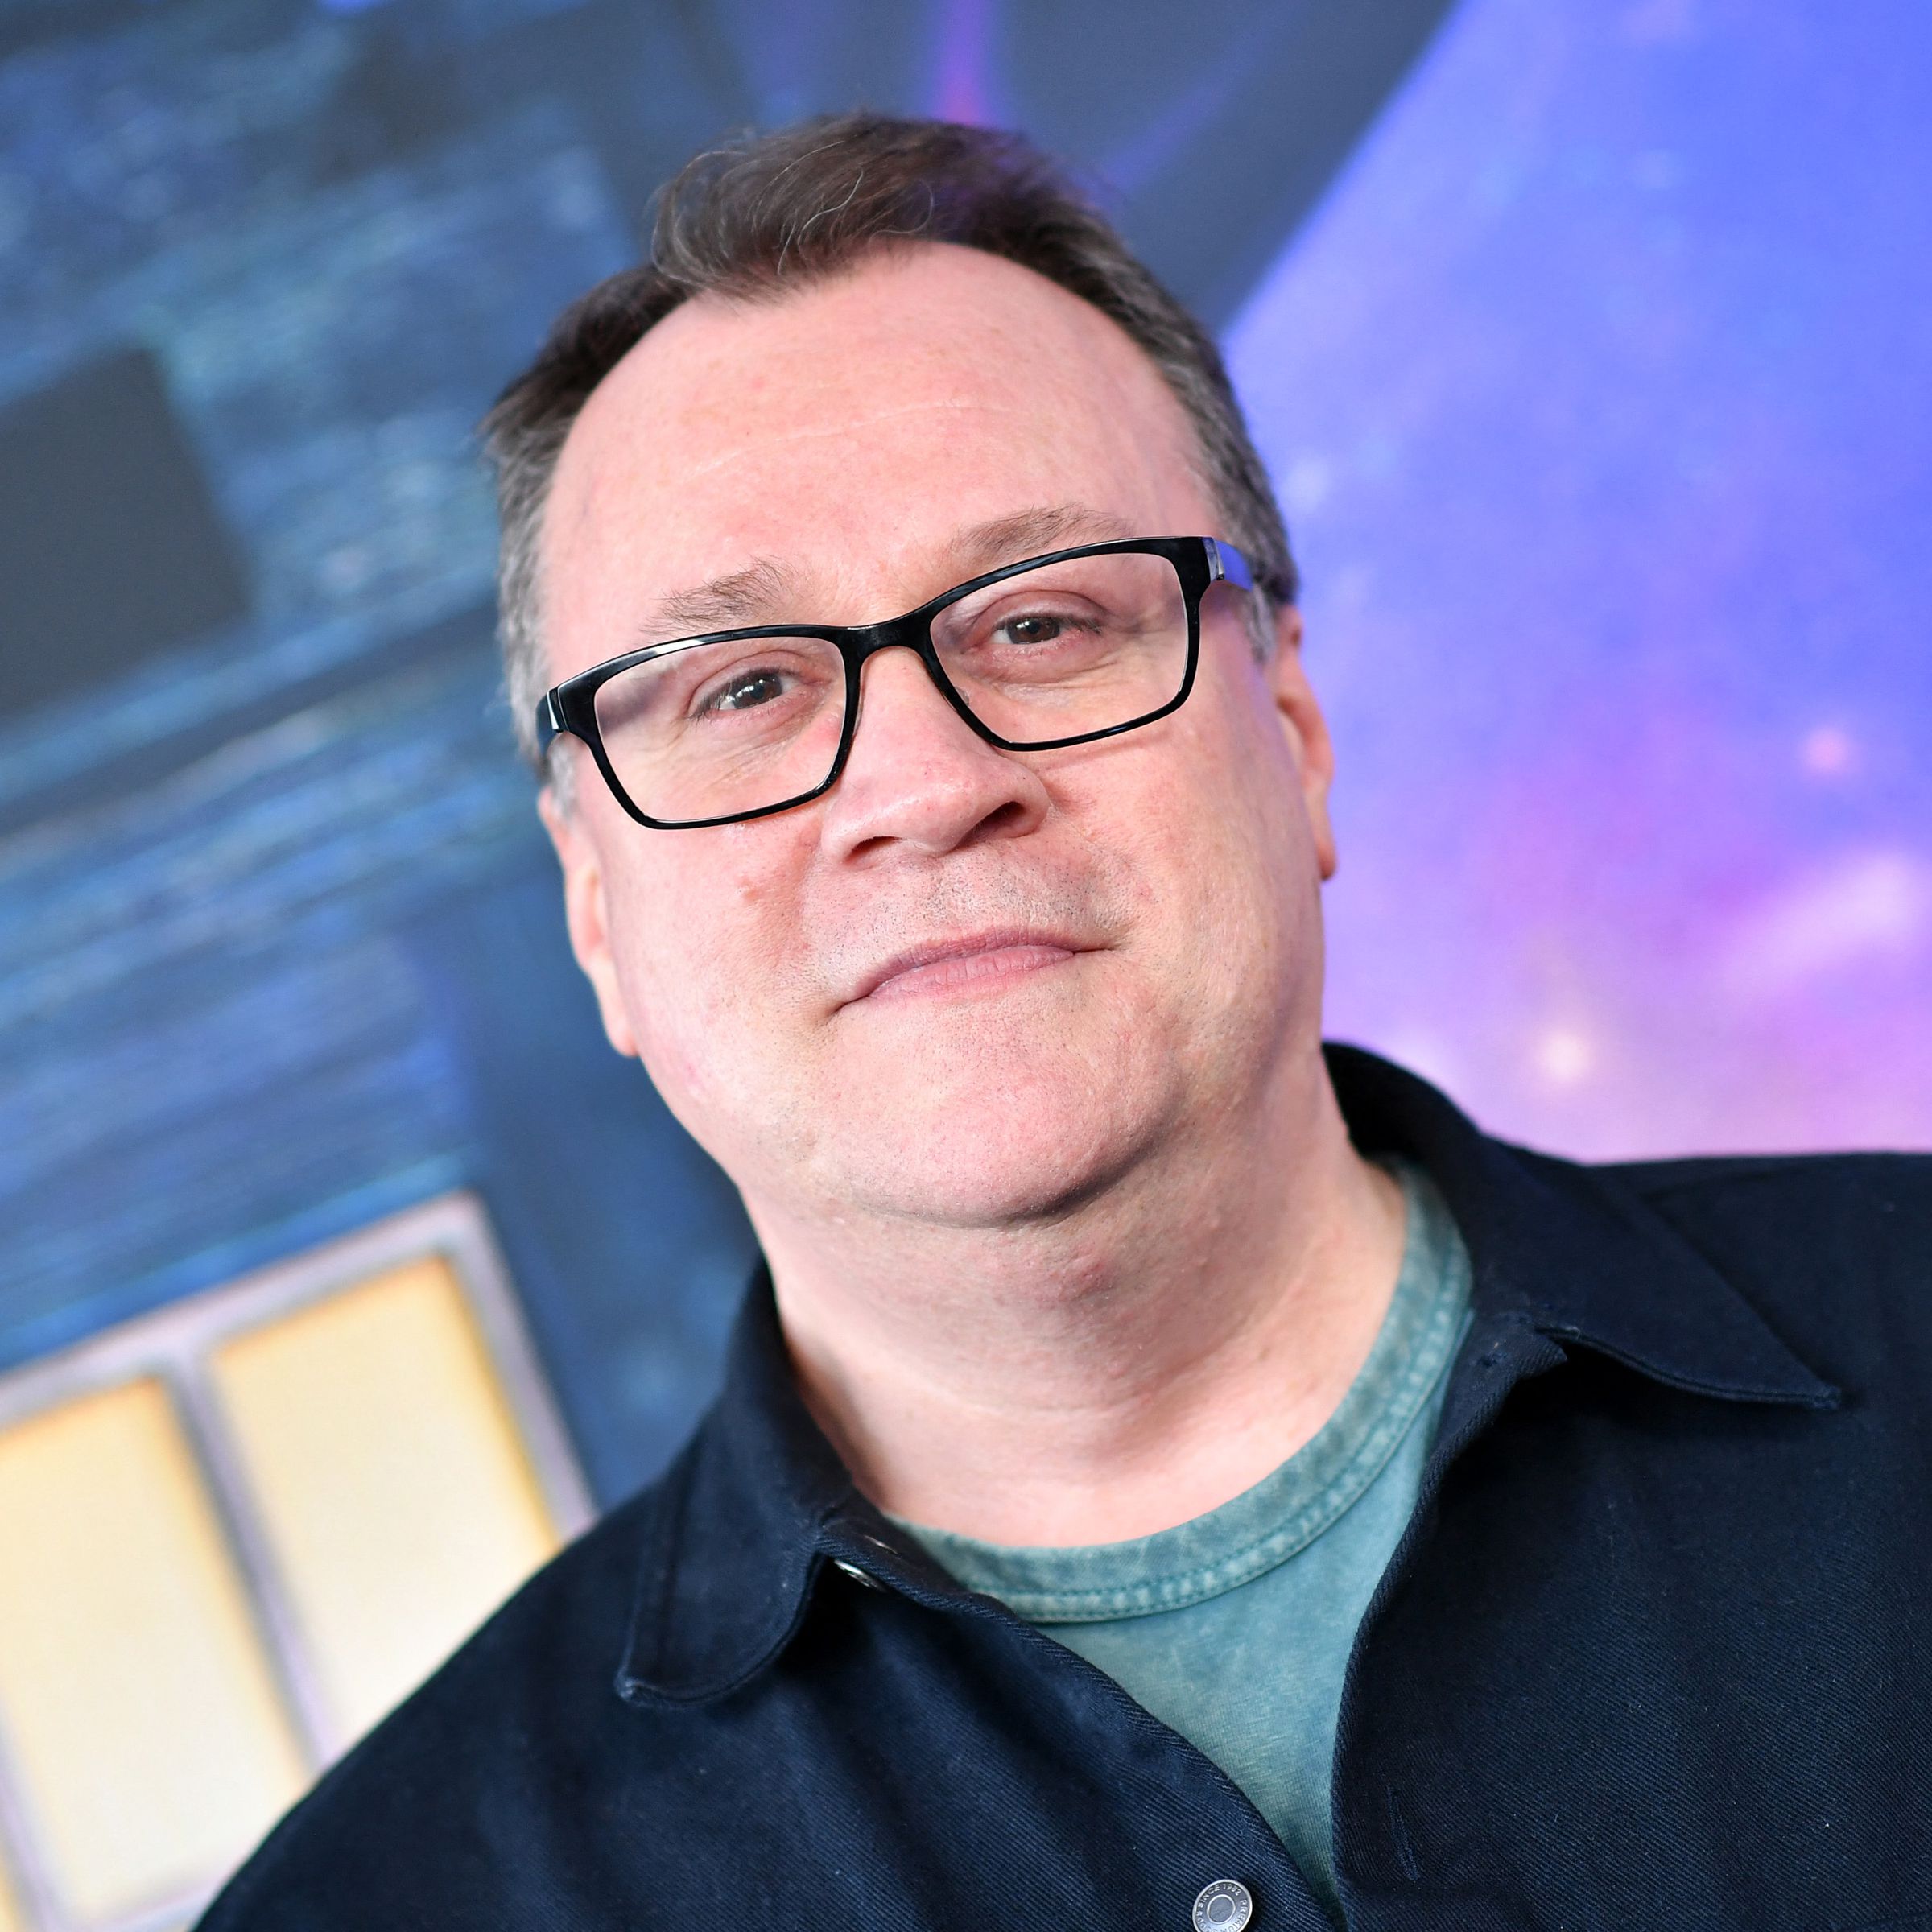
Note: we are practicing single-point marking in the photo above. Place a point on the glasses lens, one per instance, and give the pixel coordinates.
(714, 730)
(1081, 646)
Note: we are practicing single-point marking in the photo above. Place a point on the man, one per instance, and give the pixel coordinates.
(1168, 1476)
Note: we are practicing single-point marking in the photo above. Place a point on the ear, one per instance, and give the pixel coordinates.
(586, 913)
(1306, 730)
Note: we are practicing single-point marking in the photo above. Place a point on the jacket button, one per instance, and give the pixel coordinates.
(1224, 1906)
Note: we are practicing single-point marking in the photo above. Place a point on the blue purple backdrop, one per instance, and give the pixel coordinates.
(1599, 396)
(1589, 343)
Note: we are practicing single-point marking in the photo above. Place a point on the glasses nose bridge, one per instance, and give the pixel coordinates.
(862, 642)
(865, 642)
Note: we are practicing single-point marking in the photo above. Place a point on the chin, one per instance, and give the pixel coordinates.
(984, 1198)
(995, 1143)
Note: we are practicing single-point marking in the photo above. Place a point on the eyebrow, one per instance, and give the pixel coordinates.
(754, 595)
(1029, 533)
(767, 590)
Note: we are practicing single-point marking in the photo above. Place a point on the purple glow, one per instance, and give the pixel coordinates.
(963, 76)
(1598, 396)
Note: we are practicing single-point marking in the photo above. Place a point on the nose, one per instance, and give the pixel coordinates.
(918, 778)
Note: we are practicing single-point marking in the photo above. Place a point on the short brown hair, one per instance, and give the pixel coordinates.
(767, 213)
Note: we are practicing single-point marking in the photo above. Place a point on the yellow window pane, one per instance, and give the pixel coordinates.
(140, 1711)
(394, 1485)
(10, 1920)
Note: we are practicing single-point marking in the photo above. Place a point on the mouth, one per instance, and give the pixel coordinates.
(977, 960)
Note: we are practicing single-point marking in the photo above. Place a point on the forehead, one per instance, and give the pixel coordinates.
(847, 432)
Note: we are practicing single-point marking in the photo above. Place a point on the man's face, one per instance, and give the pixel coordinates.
(967, 986)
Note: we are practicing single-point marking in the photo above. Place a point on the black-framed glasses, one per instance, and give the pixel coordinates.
(1057, 650)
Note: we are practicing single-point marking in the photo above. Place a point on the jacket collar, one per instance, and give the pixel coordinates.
(734, 1543)
(749, 1516)
(1575, 1253)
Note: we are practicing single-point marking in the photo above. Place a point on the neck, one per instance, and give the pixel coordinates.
(1128, 1364)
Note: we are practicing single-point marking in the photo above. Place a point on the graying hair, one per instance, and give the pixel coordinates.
(766, 214)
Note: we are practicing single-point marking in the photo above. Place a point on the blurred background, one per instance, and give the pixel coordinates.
(343, 1271)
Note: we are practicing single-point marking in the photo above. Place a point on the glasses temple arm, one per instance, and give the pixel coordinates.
(1225, 562)
(550, 722)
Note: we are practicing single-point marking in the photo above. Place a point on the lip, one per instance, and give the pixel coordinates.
(912, 972)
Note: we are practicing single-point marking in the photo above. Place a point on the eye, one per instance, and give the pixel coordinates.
(1032, 627)
(748, 689)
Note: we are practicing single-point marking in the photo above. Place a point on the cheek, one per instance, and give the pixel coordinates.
(1222, 790)
(1223, 855)
(1258, 782)
(705, 929)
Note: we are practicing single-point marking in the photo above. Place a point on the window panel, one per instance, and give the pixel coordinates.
(232, 1532)
(140, 1712)
(392, 1482)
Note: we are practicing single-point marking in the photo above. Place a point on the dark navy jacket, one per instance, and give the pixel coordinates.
(1655, 1652)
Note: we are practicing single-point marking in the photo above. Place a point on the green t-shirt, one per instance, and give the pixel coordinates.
(1234, 1630)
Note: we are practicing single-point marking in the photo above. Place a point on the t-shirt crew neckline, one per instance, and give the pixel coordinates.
(1288, 1508)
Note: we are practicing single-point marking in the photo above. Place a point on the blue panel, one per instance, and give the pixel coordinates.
(279, 944)
(317, 976)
